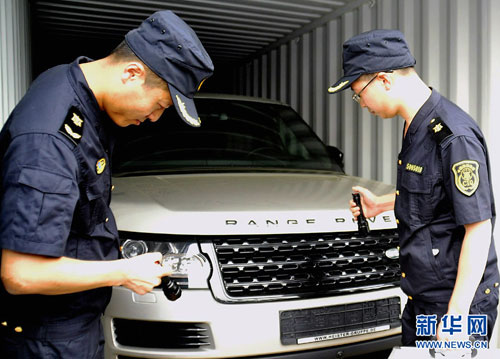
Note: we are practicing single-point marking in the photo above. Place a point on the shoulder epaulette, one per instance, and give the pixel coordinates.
(439, 130)
(72, 126)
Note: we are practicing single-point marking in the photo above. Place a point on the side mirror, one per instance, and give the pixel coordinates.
(336, 155)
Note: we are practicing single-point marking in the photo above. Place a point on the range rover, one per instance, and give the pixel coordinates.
(251, 211)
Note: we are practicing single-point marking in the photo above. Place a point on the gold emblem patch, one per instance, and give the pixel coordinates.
(466, 176)
(100, 166)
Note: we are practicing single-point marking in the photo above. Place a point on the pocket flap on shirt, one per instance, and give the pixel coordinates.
(415, 183)
(95, 189)
(46, 182)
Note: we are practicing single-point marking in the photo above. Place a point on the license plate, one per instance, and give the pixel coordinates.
(311, 325)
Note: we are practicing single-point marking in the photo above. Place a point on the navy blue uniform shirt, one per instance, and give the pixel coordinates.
(56, 189)
(443, 183)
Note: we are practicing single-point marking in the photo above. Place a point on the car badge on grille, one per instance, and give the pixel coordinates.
(392, 253)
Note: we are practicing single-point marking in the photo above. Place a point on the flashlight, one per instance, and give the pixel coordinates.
(363, 227)
(170, 288)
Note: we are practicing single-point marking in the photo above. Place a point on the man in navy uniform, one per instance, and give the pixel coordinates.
(58, 236)
(444, 201)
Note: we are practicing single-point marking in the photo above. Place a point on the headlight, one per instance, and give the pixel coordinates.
(131, 248)
(190, 268)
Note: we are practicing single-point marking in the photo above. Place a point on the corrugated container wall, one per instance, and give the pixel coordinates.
(15, 57)
(452, 41)
(456, 45)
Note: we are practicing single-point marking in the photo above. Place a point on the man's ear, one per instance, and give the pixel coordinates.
(387, 79)
(134, 71)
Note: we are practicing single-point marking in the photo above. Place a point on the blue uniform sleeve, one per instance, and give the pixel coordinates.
(466, 178)
(40, 192)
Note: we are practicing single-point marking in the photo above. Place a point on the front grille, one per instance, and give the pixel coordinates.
(313, 263)
(162, 335)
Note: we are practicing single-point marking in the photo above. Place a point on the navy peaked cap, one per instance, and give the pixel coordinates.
(171, 49)
(370, 52)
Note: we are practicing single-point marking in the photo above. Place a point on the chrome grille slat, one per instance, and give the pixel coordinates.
(295, 264)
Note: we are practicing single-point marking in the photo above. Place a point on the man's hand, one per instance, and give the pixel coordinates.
(144, 272)
(458, 336)
(372, 205)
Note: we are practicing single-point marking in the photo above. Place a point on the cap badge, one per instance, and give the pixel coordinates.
(201, 83)
(100, 166)
(185, 114)
(338, 87)
(466, 176)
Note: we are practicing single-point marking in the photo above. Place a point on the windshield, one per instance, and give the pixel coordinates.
(234, 135)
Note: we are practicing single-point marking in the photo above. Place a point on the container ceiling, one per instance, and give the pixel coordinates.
(231, 30)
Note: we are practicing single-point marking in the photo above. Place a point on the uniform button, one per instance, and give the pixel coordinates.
(487, 291)
(400, 162)
(397, 221)
(18, 329)
(107, 220)
(403, 275)
(397, 192)
(113, 187)
(410, 297)
(496, 285)
(4, 324)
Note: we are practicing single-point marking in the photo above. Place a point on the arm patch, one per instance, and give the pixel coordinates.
(439, 130)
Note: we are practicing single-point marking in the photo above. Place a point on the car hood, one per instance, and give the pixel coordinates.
(241, 203)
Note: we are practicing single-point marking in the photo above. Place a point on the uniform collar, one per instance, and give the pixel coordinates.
(101, 121)
(84, 93)
(425, 111)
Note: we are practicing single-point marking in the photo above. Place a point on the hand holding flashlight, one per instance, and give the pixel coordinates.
(138, 251)
(363, 226)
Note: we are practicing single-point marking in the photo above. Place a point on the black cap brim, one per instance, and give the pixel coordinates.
(185, 107)
(342, 84)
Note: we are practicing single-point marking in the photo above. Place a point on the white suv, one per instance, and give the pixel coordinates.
(251, 211)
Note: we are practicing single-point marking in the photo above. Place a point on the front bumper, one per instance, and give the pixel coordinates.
(237, 330)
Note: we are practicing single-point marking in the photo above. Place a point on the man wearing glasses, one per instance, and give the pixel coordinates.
(443, 201)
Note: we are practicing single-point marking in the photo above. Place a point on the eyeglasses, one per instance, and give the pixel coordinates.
(357, 96)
